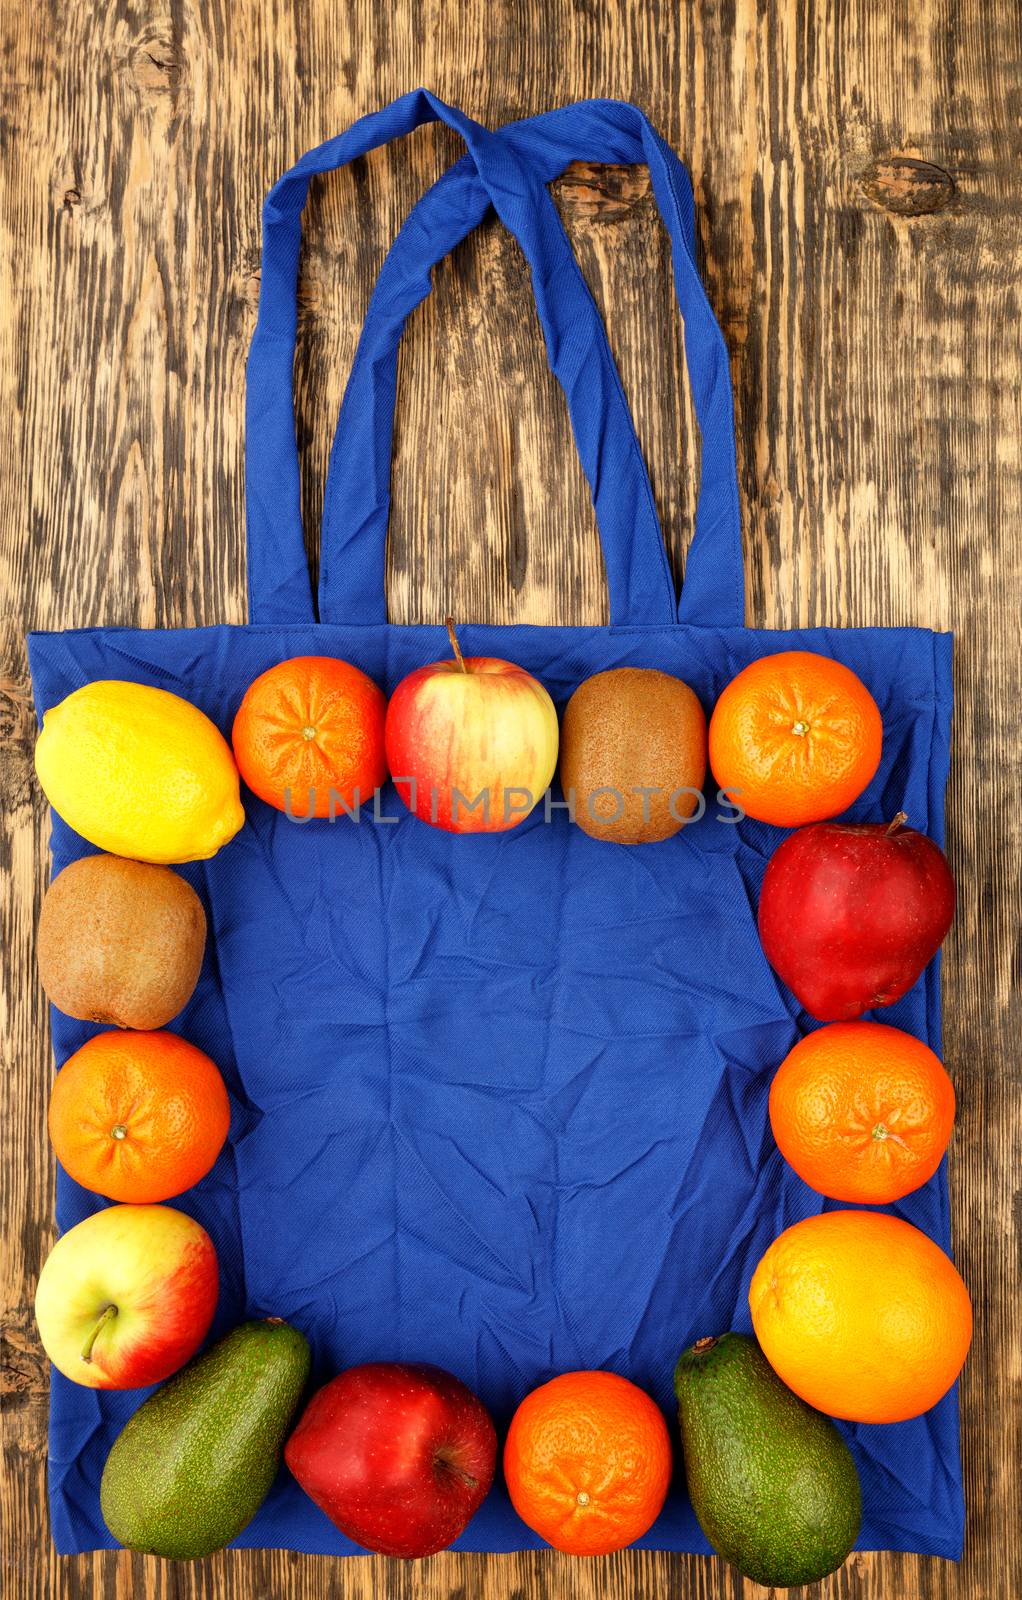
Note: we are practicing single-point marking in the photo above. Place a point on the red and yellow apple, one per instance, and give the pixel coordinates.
(471, 742)
(126, 1297)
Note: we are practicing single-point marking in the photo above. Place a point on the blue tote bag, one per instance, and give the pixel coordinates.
(499, 1102)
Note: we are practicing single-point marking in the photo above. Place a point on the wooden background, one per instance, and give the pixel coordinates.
(857, 168)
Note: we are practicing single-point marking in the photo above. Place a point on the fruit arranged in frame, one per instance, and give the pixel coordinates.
(862, 1112)
(588, 1462)
(625, 731)
(471, 742)
(851, 913)
(400, 1457)
(771, 1481)
(139, 772)
(312, 727)
(193, 1465)
(138, 1116)
(120, 941)
(862, 1315)
(127, 1296)
(795, 738)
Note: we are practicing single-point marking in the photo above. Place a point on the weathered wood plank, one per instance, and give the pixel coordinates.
(856, 170)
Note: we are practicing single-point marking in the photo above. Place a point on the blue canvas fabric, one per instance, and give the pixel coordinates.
(500, 1102)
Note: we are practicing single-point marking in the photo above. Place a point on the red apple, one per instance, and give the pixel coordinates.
(399, 1457)
(850, 913)
(472, 742)
(127, 1296)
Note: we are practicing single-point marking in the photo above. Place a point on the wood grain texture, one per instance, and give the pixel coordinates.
(857, 177)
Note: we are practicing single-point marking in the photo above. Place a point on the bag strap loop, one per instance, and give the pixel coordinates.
(508, 169)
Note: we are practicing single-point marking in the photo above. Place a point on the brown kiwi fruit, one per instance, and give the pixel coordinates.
(120, 941)
(628, 729)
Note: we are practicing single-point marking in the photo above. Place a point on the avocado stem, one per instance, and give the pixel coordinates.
(455, 646)
(898, 822)
(109, 1313)
(702, 1345)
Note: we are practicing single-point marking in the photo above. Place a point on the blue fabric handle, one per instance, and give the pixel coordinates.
(508, 169)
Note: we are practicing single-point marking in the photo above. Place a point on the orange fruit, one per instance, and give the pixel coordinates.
(795, 738)
(587, 1462)
(312, 728)
(862, 1111)
(861, 1315)
(138, 1116)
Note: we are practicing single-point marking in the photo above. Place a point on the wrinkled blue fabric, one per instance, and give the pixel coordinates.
(499, 1102)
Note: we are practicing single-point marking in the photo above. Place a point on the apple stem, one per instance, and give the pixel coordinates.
(898, 822)
(446, 1464)
(455, 646)
(108, 1313)
(466, 1477)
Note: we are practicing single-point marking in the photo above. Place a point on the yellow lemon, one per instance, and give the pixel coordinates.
(139, 772)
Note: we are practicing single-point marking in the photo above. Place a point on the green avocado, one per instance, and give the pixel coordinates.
(196, 1461)
(771, 1480)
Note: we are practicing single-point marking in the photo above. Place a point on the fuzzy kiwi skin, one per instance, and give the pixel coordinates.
(628, 729)
(120, 942)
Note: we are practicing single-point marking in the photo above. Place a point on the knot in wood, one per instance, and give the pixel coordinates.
(906, 187)
(157, 66)
(603, 193)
